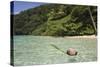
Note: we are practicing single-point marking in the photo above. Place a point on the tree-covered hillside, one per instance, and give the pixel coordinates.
(56, 20)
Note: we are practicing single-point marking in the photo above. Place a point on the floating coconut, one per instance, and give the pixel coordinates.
(71, 52)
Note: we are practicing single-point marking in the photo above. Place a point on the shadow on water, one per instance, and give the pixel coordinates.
(72, 60)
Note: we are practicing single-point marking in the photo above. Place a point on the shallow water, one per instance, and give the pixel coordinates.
(34, 50)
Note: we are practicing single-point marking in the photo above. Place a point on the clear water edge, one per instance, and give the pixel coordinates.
(36, 50)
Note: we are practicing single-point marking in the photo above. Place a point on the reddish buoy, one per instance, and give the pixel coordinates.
(72, 52)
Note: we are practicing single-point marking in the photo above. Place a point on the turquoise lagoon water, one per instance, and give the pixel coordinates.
(37, 50)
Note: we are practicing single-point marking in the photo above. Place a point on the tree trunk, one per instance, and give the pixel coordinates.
(92, 20)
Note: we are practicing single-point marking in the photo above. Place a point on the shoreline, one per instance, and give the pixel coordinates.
(85, 36)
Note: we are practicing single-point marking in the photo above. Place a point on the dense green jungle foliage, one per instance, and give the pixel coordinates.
(56, 20)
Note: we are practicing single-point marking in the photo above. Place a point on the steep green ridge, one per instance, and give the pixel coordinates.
(55, 20)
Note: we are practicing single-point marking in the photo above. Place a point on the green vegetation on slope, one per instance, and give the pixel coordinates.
(56, 20)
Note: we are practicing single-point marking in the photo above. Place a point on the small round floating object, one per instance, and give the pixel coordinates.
(71, 52)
